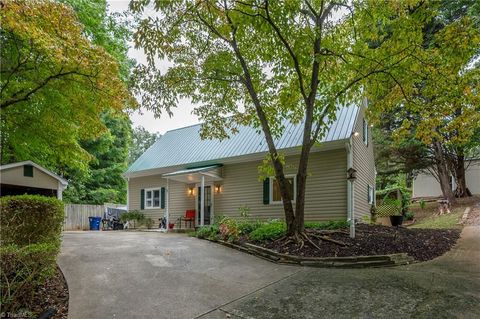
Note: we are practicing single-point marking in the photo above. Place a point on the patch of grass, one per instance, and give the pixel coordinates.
(441, 222)
(332, 224)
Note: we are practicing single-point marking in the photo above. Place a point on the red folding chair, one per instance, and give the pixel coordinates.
(189, 217)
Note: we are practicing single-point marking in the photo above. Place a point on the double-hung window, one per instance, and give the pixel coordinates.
(275, 194)
(152, 198)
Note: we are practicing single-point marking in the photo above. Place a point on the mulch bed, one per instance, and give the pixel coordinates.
(421, 244)
(52, 295)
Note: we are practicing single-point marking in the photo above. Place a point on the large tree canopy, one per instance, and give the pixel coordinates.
(55, 84)
(433, 103)
(258, 62)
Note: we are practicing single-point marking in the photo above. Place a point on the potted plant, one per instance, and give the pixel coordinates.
(396, 220)
(395, 207)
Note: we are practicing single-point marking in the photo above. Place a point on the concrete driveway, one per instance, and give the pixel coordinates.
(151, 275)
(154, 275)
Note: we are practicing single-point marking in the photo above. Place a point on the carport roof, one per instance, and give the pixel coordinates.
(43, 169)
(185, 147)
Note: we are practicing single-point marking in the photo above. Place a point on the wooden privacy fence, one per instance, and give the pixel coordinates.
(76, 215)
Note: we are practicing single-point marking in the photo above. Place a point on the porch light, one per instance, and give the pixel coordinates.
(218, 188)
(355, 134)
(351, 174)
(190, 191)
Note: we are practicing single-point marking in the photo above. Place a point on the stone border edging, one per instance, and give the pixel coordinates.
(373, 261)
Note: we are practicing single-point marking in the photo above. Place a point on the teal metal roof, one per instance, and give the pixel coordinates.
(185, 147)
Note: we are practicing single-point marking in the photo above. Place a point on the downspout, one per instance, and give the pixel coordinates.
(202, 201)
(350, 190)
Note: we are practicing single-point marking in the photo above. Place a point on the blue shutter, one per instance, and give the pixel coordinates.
(162, 198)
(266, 191)
(142, 199)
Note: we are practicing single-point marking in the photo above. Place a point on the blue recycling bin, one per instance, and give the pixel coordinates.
(94, 222)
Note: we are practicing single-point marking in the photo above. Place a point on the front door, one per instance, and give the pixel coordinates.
(207, 206)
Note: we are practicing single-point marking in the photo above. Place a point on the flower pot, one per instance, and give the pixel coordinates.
(171, 225)
(396, 220)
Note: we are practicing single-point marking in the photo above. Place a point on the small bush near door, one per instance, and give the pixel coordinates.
(30, 243)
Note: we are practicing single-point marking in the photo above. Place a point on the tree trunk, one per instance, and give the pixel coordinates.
(443, 172)
(277, 164)
(459, 173)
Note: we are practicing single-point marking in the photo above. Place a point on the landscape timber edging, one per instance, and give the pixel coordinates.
(374, 261)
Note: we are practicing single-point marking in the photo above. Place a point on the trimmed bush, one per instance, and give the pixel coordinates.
(329, 225)
(29, 219)
(269, 231)
(30, 242)
(23, 270)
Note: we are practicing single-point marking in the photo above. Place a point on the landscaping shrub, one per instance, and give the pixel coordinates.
(246, 227)
(329, 225)
(208, 232)
(409, 215)
(422, 204)
(229, 229)
(23, 270)
(134, 215)
(269, 231)
(28, 219)
(31, 229)
(148, 222)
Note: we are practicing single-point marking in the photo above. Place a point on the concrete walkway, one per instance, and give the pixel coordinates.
(150, 275)
(447, 287)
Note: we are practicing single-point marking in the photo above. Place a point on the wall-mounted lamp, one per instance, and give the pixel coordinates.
(218, 188)
(351, 174)
(355, 134)
(190, 191)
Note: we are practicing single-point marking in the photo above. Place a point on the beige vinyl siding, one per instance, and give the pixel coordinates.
(364, 163)
(179, 201)
(14, 176)
(326, 195)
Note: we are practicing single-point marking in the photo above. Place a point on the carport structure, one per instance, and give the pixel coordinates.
(28, 177)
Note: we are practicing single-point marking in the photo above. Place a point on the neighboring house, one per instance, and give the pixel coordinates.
(30, 178)
(167, 180)
(426, 185)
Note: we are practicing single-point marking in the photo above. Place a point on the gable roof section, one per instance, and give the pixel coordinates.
(185, 147)
(43, 169)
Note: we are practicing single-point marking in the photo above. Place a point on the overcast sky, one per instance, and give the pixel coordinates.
(182, 114)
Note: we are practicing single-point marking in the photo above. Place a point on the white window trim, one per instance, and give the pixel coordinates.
(371, 191)
(365, 132)
(272, 178)
(159, 189)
